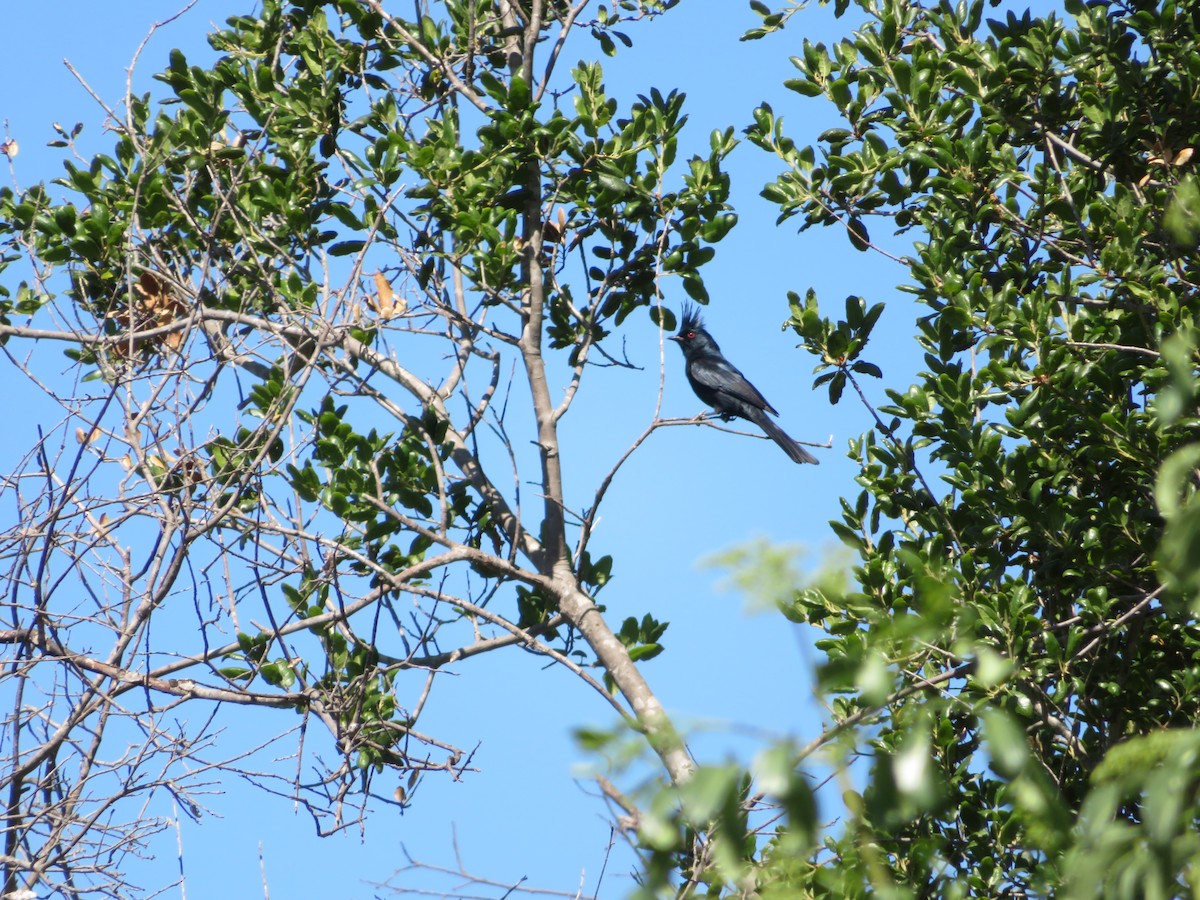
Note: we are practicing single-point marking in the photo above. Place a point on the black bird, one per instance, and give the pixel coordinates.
(718, 383)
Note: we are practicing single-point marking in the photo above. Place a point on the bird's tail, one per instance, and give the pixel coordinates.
(797, 453)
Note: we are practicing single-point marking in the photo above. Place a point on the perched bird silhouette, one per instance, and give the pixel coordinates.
(718, 383)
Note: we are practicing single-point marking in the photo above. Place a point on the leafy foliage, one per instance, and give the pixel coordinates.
(352, 218)
(288, 297)
(1013, 673)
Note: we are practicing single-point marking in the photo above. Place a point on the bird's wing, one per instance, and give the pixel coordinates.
(722, 377)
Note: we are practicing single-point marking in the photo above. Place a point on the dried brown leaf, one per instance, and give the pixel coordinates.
(385, 302)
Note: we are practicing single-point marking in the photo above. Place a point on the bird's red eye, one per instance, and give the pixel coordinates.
(689, 335)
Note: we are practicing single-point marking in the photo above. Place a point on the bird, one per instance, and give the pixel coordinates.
(720, 384)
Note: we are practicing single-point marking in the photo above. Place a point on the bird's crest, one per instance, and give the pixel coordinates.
(691, 320)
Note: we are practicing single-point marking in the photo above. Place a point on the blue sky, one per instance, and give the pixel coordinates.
(730, 677)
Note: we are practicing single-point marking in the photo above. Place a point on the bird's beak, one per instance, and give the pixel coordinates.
(675, 337)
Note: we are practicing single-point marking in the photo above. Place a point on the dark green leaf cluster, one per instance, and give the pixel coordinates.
(642, 638)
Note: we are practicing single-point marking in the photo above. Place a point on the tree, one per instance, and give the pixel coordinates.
(1012, 665)
(287, 472)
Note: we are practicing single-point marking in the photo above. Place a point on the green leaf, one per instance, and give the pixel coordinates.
(804, 87)
(1006, 744)
(694, 287)
(1176, 479)
(1182, 218)
(856, 230)
(708, 792)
